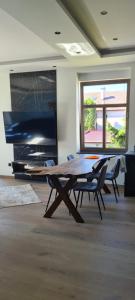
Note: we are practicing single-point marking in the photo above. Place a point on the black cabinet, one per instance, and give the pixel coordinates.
(19, 169)
(32, 156)
(129, 189)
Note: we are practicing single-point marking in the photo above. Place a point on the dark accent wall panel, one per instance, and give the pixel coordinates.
(34, 91)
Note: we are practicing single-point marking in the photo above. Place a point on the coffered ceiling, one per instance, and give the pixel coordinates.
(107, 24)
(97, 32)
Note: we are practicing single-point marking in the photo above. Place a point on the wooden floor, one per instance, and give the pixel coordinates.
(46, 259)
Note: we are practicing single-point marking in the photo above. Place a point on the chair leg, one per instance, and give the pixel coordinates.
(56, 194)
(78, 196)
(99, 208)
(75, 196)
(81, 199)
(102, 200)
(89, 196)
(116, 187)
(69, 193)
(94, 198)
(49, 199)
(115, 191)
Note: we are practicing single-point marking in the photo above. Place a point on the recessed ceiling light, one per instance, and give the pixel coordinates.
(57, 32)
(115, 39)
(104, 12)
(77, 49)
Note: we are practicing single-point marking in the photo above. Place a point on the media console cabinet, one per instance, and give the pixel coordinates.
(19, 167)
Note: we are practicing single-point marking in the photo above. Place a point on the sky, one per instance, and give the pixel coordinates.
(108, 87)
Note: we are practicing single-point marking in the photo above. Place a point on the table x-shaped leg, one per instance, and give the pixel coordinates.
(63, 196)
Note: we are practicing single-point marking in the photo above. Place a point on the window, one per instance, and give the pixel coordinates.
(104, 115)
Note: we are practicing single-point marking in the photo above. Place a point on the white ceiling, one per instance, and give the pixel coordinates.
(18, 42)
(119, 22)
(28, 40)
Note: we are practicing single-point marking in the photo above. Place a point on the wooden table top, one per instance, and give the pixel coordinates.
(77, 167)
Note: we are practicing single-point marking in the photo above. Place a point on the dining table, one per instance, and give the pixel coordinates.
(71, 170)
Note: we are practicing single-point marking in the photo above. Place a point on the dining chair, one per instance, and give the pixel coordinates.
(51, 163)
(112, 175)
(94, 187)
(94, 174)
(70, 157)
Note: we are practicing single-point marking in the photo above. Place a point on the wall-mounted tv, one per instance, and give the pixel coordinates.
(35, 128)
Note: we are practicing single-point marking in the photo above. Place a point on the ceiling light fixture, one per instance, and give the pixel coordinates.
(57, 32)
(104, 12)
(77, 49)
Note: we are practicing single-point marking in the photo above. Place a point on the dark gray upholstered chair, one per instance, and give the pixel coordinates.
(70, 157)
(94, 187)
(112, 175)
(89, 177)
(51, 163)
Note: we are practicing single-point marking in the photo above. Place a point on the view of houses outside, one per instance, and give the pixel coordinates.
(115, 117)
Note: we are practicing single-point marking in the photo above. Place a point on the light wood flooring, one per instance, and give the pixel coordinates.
(58, 259)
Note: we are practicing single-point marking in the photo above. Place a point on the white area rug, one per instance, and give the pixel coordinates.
(17, 195)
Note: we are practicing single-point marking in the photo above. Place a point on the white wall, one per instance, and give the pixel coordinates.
(68, 103)
(6, 150)
(109, 73)
(68, 108)
(66, 112)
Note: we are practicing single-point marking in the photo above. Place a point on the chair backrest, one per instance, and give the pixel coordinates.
(115, 170)
(49, 163)
(101, 178)
(70, 157)
(97, 167)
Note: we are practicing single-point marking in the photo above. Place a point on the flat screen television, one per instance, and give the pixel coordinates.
(35, 128)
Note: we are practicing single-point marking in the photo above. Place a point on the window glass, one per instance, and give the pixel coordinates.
(93, 127)
(104, 110)
(116, 127)
(105, 93)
